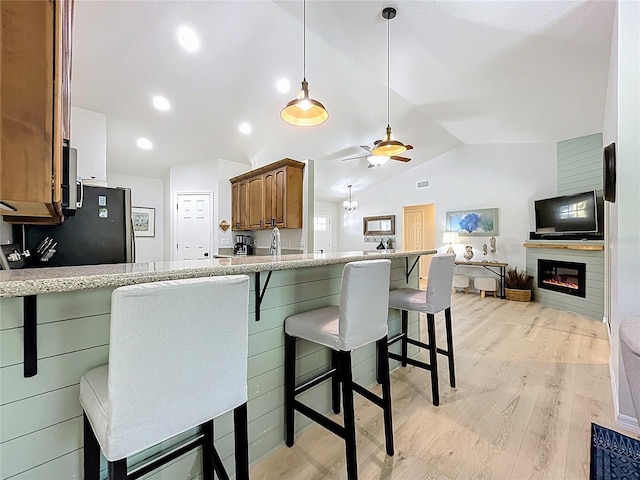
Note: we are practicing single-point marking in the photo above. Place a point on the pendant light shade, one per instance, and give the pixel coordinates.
(304, 111)
(389, 146)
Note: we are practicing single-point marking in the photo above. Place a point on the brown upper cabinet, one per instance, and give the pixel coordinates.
(35, 94)
(271, 197)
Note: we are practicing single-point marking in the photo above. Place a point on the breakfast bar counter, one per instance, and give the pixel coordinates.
(69, 308)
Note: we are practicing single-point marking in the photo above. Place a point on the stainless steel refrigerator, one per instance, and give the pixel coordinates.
(100, 232)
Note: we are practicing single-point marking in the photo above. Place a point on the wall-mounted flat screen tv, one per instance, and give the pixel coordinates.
(575, 213)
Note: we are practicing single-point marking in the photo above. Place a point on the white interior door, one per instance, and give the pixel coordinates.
(322, 232)
(193, 226)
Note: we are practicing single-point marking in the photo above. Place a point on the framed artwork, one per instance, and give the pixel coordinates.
(473, 222)
(144, 221)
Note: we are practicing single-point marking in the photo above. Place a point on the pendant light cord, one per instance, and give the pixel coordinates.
(304, 40)
(388, 68)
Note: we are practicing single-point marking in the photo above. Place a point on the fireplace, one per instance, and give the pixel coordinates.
(563, 277)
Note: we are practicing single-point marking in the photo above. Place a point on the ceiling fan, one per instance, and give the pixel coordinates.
(376, 161)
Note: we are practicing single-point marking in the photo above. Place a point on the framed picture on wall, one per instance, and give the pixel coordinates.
(144, 221)
(474, 222)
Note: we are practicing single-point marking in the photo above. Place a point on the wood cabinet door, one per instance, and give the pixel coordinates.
(255, 203)
(269, 185)
(239, 205)
(32, 113)
(280, 197)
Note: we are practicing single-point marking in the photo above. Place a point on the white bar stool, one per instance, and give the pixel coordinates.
(177, 359)
(630, 348)
(435, 299)
(360, 319)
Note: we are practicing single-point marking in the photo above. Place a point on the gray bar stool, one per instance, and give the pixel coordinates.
(360, 319)
(630, 347)
(177, 359)
(435, 299)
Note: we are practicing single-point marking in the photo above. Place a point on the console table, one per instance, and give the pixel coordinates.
(497, 268)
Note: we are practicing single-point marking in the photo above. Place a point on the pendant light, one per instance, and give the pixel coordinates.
(350, 205)
(389, 146)
(304, 111)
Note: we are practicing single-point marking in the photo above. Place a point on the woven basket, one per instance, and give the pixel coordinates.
(517, 295)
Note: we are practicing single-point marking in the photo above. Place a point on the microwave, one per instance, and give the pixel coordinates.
(71, 183)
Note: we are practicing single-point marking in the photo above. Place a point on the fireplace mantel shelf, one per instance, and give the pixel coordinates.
(566, 246)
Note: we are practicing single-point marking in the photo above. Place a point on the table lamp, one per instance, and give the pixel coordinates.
(450, 237)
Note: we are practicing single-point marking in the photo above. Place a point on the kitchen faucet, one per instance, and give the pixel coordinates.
(274, 249)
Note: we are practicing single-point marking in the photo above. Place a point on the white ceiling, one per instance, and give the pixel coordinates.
(462, 72)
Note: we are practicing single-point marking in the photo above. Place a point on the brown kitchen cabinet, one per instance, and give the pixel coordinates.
(272, 197)
(35, 88)
(239, 205)
(283, 198)
(255, 203)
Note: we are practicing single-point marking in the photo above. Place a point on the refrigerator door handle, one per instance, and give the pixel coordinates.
(133, 244)
(80, 190)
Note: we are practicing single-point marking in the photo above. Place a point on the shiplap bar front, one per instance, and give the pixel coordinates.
(41, 417)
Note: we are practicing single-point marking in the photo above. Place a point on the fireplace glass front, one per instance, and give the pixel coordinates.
(563, 277)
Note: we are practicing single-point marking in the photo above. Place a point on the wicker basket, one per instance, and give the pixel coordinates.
(517, 295)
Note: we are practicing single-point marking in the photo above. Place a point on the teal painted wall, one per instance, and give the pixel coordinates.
(580, 164)
(579, 170)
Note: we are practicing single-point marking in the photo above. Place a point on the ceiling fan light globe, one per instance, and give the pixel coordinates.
(377, 160)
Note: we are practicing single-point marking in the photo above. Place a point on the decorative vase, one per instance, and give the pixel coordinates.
(468, 252)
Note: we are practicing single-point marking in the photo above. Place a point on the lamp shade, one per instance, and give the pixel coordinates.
(450, 237)
(304, 111)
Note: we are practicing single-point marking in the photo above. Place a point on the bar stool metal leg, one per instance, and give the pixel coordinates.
(433, 358)
(452, 370)
(91, 452)
(289, 386)
(335, 383)
(349, 414)
(385, 381)
(241, 437)
(207, 451)
(405, 336)
(117, 470)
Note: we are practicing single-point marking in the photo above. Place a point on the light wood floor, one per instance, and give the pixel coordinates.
(531, 379)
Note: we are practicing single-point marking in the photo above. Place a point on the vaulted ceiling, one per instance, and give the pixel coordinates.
(461, 72)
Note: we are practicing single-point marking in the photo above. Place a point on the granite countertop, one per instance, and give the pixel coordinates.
(34, 281)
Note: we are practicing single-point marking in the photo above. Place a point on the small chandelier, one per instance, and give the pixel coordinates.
(350, 205)
(304, 111)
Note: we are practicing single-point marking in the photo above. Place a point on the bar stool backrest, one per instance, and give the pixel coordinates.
(364, 302)
(439, 282)
(174, 345)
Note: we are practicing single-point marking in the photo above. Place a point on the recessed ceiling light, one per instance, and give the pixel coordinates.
(245, 128)
(161, 103)
(144, 143)
(188, 38)
(283, 85)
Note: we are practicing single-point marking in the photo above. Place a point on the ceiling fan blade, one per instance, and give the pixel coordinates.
(409, 147)
(401, 159)
(377, 142)
(366, 147)
(371, 165)
(354, 158)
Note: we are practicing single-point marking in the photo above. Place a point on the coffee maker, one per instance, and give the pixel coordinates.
(243, 245)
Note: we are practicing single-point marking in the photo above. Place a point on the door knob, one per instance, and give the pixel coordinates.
(206, 254)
